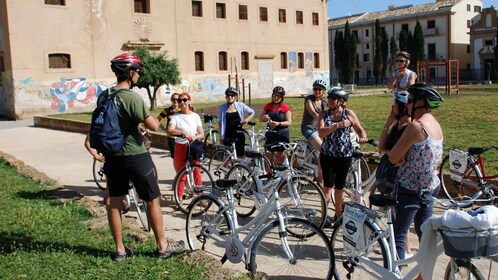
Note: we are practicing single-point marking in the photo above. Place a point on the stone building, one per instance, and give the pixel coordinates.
(483, 39)
(54, 54)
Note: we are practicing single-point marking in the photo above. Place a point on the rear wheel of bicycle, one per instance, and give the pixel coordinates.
(99, 175)
(210, 139)
(219, 163)
(190, 188)
(206, 227)
(462, 269)
(309, 201)
(352, 189)
(470, 181)
(243, 191)
(305, 158)
(364, 170)
(141, 208)
(378, 252)
(313, 257)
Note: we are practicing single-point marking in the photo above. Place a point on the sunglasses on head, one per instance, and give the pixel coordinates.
(183, 100)
(400, 60)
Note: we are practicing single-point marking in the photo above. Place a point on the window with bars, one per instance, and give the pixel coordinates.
(315, 19)
(55, 2)
(141, 6)
(243, 12)
(221, 10)
(263, 14)
(199, 61)
(283, 60)
(222, 61)
(300, 60)
(197, 8)
(244, 61)
(59, 61)
(282, 16)
(299, 17)
(316, 60)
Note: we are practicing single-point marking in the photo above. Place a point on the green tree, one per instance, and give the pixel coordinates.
(418, 51)
(403, 40)
(350, 55)
(158, 70)
(496, 53)
(377, 60)
(338, 52)
(393, 49)
(385, 54)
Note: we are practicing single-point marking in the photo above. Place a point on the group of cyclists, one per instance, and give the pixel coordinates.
(412, 138)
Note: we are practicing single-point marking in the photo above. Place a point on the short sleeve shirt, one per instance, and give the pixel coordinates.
(188, 123)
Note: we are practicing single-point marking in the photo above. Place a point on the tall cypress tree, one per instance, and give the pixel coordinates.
(377, 62)
(385, 53)
(393, 49)
(349, 54)
(403, 40)
(339, 53)
(418, 46)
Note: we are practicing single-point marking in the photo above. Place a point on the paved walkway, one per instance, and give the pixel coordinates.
(62, 156)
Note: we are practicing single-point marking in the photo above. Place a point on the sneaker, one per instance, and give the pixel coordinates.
(119, 257)
(329, 222)
(172, 247)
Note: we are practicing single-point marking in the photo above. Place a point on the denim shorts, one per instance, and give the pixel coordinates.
(308, 132)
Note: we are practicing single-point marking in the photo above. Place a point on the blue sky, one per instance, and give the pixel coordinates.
(339, 8)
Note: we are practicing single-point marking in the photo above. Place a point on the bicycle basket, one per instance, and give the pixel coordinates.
(468, 243)
(208, 118)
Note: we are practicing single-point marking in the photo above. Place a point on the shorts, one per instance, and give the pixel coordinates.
(308, 132)
(139, 169)
(275, 137)
(335, 170)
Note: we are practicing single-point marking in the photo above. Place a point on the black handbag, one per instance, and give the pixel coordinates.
(196, 150)
(385, 175)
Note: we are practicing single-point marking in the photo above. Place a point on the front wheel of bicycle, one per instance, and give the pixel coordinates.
(244, 190)
(459, 269)
(211, 138)
(305, 198)
(99, 175)
(377, 252)
(191, 179)
(471, 180)
(207, 228)
(312, 256)
(141, 208)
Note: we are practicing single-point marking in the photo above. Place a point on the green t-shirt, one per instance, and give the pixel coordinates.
(131, 112)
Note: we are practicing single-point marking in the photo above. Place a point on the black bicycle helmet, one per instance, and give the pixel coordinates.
(231, 90)
(279, 90)
(426, 92)
(320, 83)
(404, 54)
(125, 62)
(339, 92)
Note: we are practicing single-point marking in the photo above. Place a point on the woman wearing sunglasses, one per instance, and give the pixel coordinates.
(335, 125)
(401, 77)
(231, 119)
(167, 113)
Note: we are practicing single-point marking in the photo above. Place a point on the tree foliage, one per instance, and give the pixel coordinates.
(496, 53)
(418, 51)
(350, 55)
(403, 40)
(338, 52)
(158, 70)
(393, 49)
(385, 53)
(377, 61)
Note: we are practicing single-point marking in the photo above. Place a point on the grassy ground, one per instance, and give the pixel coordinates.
(468, 119)
(44, 238)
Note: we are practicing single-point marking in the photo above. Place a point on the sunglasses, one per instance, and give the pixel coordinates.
(230, 95)
(183, 100)
(400, 60)
(175, 99)
(317, 89)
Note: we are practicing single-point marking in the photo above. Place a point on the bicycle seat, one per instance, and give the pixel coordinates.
(253, 154)
(225, 184)
(278, 167)
(382, 201)
(478, 150)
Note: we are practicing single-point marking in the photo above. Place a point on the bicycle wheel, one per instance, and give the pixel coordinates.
(377, 252)
(220, 162)
(313, 257)
(99, 175)
(207, 228)
(304, 157)
(352, 191)
(141, 208)
(364, 170)
(243, 191)
(305, 198)
(470, 182)
(459, 269)
(186, 175)
(211, 138)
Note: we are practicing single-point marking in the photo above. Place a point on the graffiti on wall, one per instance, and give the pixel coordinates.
(308, 64)
(292, 62)
(68, 90)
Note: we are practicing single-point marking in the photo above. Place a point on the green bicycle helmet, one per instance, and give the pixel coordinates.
(426, 92)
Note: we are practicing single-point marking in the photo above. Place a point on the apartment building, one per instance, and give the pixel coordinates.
(483, 40)
(54, 54)
(445, 25)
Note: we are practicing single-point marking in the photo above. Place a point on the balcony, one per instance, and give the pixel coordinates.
(430, 32)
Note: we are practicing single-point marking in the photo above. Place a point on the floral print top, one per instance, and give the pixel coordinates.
(421, 167)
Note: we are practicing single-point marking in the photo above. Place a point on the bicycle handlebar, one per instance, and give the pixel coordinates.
(464, 201)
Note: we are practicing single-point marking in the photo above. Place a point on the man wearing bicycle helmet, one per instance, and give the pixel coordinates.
(418, 152)
(232, 115)
(401, 77)
(133, 162)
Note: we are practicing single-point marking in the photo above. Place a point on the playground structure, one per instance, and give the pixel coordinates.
(440, 73)
(240, 86)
